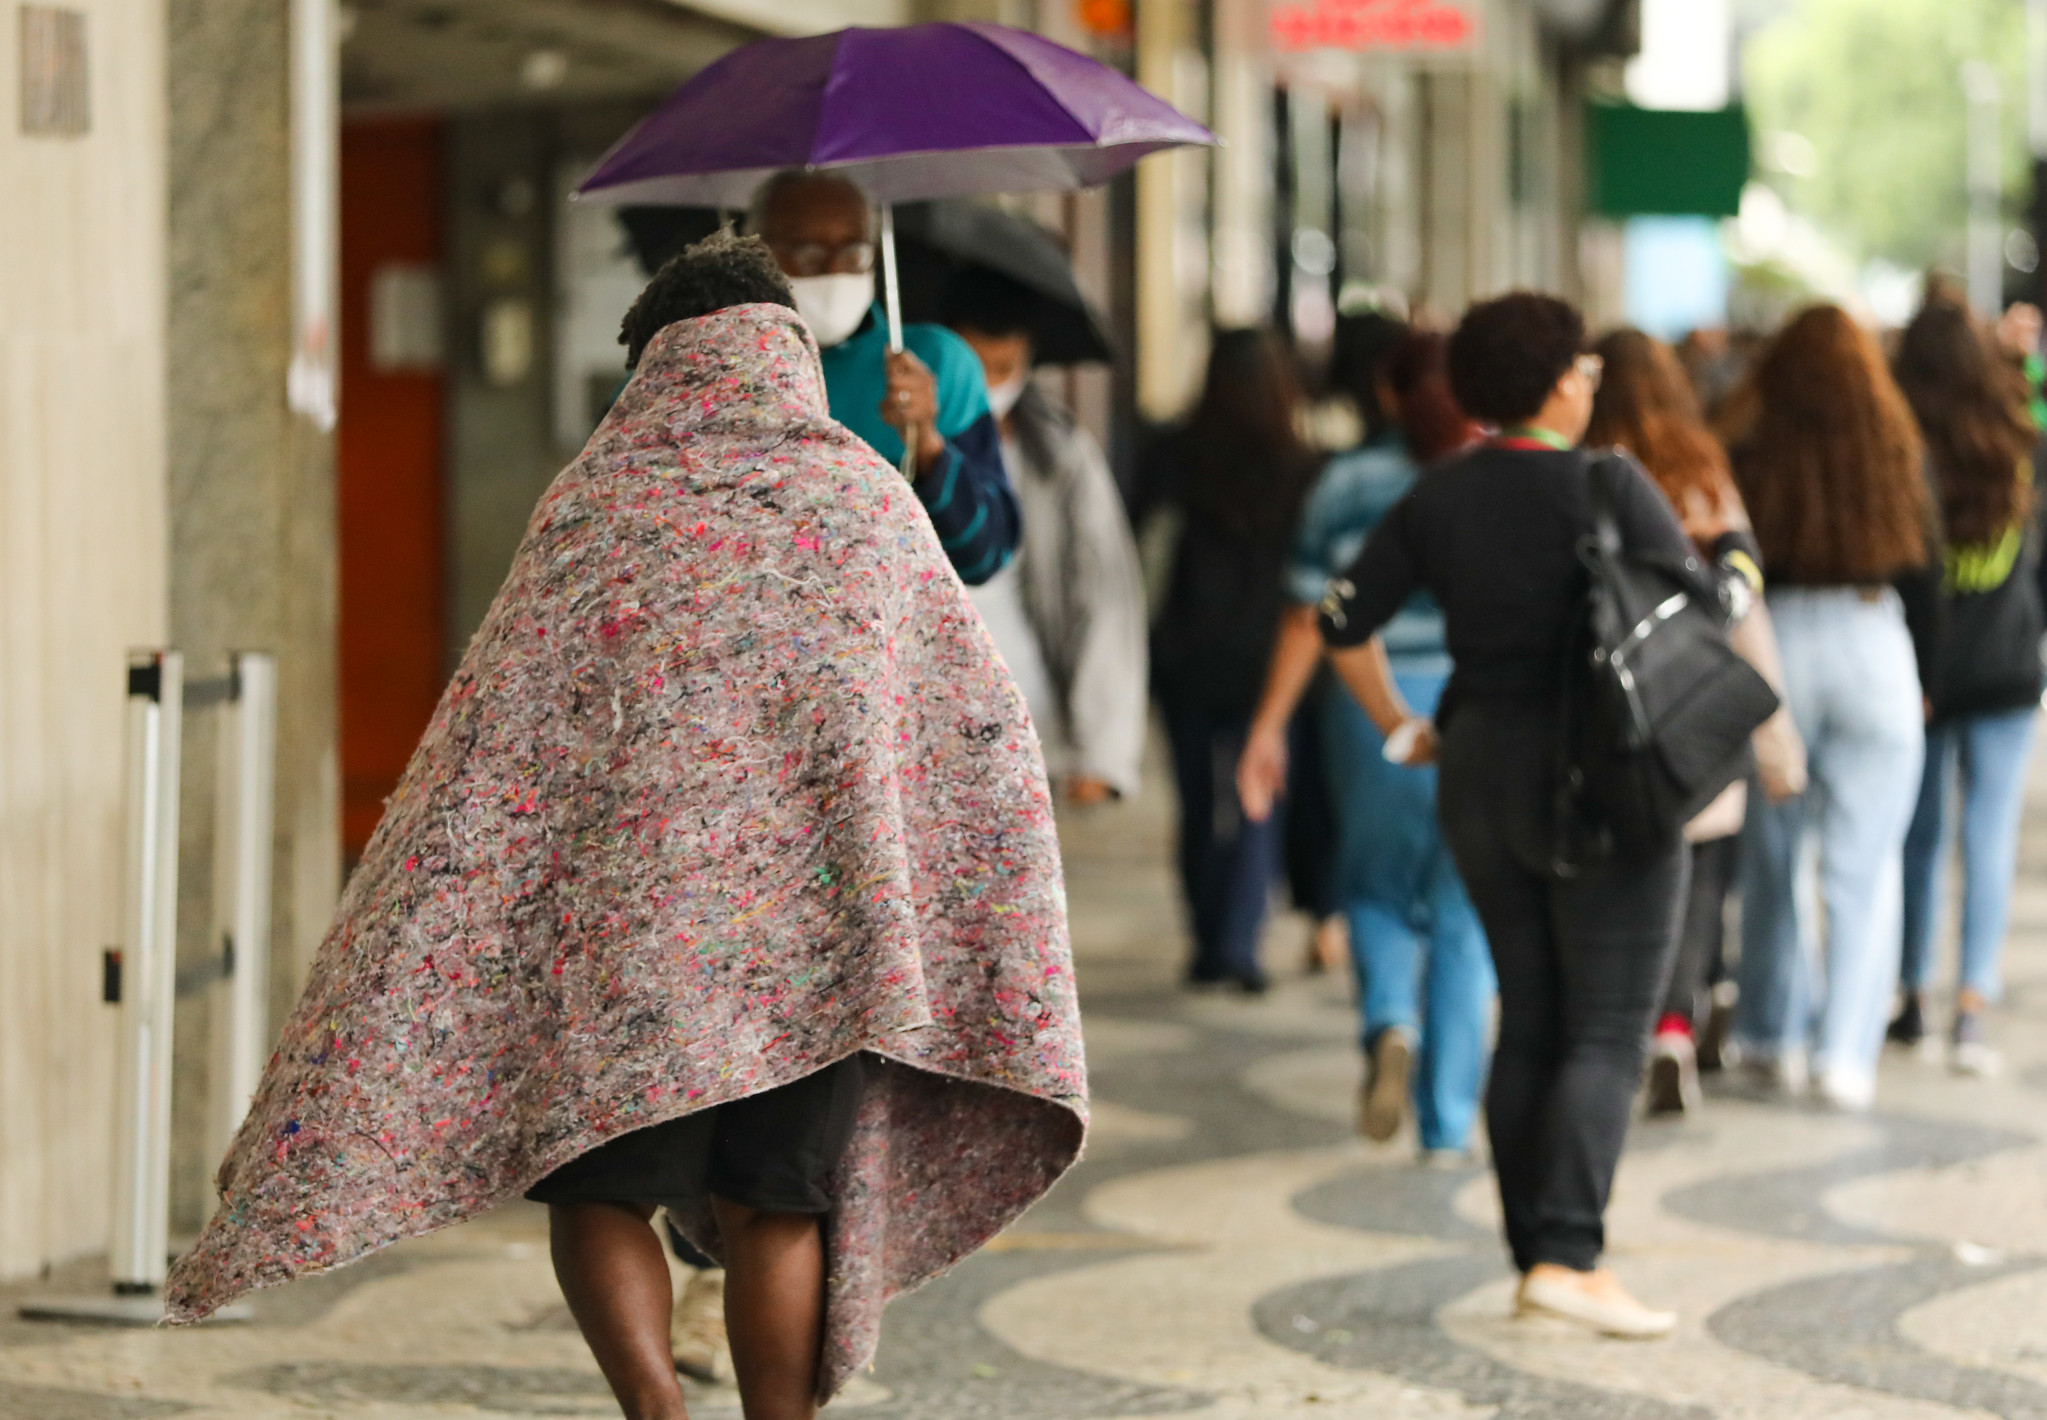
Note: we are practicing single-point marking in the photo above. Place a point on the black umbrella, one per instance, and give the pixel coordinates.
(953, 236)
(935, 242)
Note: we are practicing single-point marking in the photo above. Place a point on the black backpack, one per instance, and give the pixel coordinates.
(1658, 707)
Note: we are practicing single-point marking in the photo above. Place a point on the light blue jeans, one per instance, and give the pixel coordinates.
(1853, 689)
(1989, 754)
(1421, 956)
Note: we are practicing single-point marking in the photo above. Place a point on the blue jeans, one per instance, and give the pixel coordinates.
(1420, 953)
(1227, 861)
(1989, 753)
(1853, 688)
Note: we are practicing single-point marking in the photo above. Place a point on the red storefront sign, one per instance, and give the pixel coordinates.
(1436, 25)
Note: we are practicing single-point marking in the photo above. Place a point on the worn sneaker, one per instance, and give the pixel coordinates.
(1969, 1050)
(1908, 1027)
(1384, 1102)
(696, 1331)
(1719, 1022)
(1673, 1074)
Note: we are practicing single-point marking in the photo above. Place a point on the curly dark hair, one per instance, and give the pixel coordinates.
(1971, 406)
(1508, 353)
(719, 271)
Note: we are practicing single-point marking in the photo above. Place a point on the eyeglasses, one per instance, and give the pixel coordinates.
(1592, 368)
(819, 259)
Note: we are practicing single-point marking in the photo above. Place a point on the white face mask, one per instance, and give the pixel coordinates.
(1003, 397)
(833, 306)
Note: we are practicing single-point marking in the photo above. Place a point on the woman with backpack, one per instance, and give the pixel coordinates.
(1646, 406)
(1234, 473)
(1985, 686)
(1495, 535)
(1829, 464)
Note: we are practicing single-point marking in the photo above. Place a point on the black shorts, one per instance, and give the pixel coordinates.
(774, 1151)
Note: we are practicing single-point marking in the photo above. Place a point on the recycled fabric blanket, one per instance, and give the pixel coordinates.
(729, 786)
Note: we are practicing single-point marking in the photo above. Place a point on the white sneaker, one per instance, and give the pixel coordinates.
(1969, 1052)
(1847, 1090)
(1621, 1316)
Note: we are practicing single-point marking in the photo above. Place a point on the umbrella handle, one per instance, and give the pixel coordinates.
(892, 307)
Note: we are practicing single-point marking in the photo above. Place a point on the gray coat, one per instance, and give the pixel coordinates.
(1083, 592)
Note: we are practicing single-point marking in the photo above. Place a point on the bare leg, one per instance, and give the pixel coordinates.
(774, 1308)
(614, 1277)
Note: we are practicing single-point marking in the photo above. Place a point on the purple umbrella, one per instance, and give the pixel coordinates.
(924, 111)
(934, 110)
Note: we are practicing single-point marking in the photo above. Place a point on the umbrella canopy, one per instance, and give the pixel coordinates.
(932, 110)
(946, 237)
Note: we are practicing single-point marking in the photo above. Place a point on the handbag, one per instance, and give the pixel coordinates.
(1658, 706)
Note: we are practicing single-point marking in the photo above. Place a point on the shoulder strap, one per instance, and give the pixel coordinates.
(1600, 490)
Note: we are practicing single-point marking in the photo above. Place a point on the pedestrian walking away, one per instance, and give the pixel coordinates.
(1425, 979)
(1984, 691)
(1494, 535)
(1829, 462)
(1068, 613)
(1234, 474)
(1645, 405)
(723, 882)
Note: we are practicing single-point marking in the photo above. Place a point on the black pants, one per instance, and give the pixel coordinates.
(1702, 937)
(1581, 962)
(1227, 862)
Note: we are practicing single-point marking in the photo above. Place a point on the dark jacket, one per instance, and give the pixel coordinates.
(1214, 631)
(1988, 657)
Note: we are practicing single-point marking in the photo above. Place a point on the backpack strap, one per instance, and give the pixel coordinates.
(1601, 479)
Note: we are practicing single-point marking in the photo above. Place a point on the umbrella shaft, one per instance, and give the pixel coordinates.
(892, 306)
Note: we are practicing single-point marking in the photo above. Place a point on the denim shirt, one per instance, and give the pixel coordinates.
(1355, 491)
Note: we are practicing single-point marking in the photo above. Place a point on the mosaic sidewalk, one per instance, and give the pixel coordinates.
(1229, 1251)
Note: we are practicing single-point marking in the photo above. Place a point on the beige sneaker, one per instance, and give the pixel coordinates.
(1595, 1302)
(696, 1330)
(1384, 1102)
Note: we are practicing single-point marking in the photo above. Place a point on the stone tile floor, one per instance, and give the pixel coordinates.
(1229, 1251)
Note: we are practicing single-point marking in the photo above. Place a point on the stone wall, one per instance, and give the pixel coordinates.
(82, 578)
(252, 541)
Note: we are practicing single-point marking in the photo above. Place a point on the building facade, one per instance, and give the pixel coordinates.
(205, 256)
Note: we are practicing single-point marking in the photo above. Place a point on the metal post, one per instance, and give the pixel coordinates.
(243, 821)
(139, 1257)
(1986, 188)
(156, 694)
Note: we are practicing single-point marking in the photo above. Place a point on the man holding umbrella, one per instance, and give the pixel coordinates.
(820, 229)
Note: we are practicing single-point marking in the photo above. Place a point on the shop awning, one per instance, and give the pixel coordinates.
(1662, 162)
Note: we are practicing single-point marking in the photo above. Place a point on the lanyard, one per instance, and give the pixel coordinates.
(1528, 436)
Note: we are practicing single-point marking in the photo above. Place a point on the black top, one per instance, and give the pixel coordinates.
(1494, 534)
(1220, 617)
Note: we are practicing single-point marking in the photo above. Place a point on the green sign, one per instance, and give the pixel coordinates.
(1664, 162)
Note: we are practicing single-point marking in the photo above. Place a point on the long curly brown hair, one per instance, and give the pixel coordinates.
(1830, 463)
(1646, 405)
(1971, 406)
